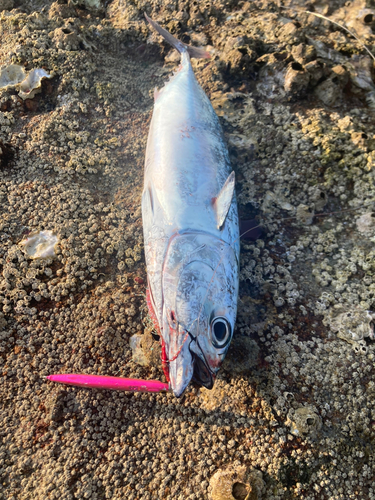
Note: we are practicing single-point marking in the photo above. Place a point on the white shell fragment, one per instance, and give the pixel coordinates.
(11, 75)
(89, 4)
(271, 199)
(138, 355)
(32, 84)
(40, 245)
(15, 76)
(366, 223)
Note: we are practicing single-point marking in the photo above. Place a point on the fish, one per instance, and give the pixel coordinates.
(191, 236)
(190, 228)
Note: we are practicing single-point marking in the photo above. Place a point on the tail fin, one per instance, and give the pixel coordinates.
(196, 52)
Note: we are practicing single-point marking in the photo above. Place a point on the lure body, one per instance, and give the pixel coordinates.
(109, 383)
(191, 230)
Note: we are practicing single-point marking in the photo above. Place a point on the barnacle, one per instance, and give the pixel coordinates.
(237, 483)
(304, 421)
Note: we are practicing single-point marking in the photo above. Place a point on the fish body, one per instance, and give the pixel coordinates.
(191, 231)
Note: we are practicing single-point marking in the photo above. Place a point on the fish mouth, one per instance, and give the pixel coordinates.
(181, 365)
(202, 374)
(194, 370)
(188, 366)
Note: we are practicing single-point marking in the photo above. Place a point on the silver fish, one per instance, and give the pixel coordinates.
(190, 225)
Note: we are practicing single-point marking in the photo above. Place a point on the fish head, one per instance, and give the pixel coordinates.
(200, 289)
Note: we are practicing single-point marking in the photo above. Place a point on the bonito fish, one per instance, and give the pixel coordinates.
(191, 236)
(190, 225)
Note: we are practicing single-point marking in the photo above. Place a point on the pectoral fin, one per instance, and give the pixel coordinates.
(222, 202)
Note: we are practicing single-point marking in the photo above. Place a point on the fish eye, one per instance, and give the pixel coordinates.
(221, 332)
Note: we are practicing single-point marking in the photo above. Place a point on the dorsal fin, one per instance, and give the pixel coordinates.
(223, 200)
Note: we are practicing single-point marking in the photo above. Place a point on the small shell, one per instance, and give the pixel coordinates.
(360, 70)
(32, 84)
(271, 199)
(370, 99)
(11, 75)
(366, 16)
(328, 91)
(318, 196)
(40, 245)
(15, 76)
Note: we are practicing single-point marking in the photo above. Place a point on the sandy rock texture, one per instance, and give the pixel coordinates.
(292, 414)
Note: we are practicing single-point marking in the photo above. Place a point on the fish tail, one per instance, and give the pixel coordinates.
(197, 52)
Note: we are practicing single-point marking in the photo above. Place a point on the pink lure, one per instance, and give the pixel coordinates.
(113, 383)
